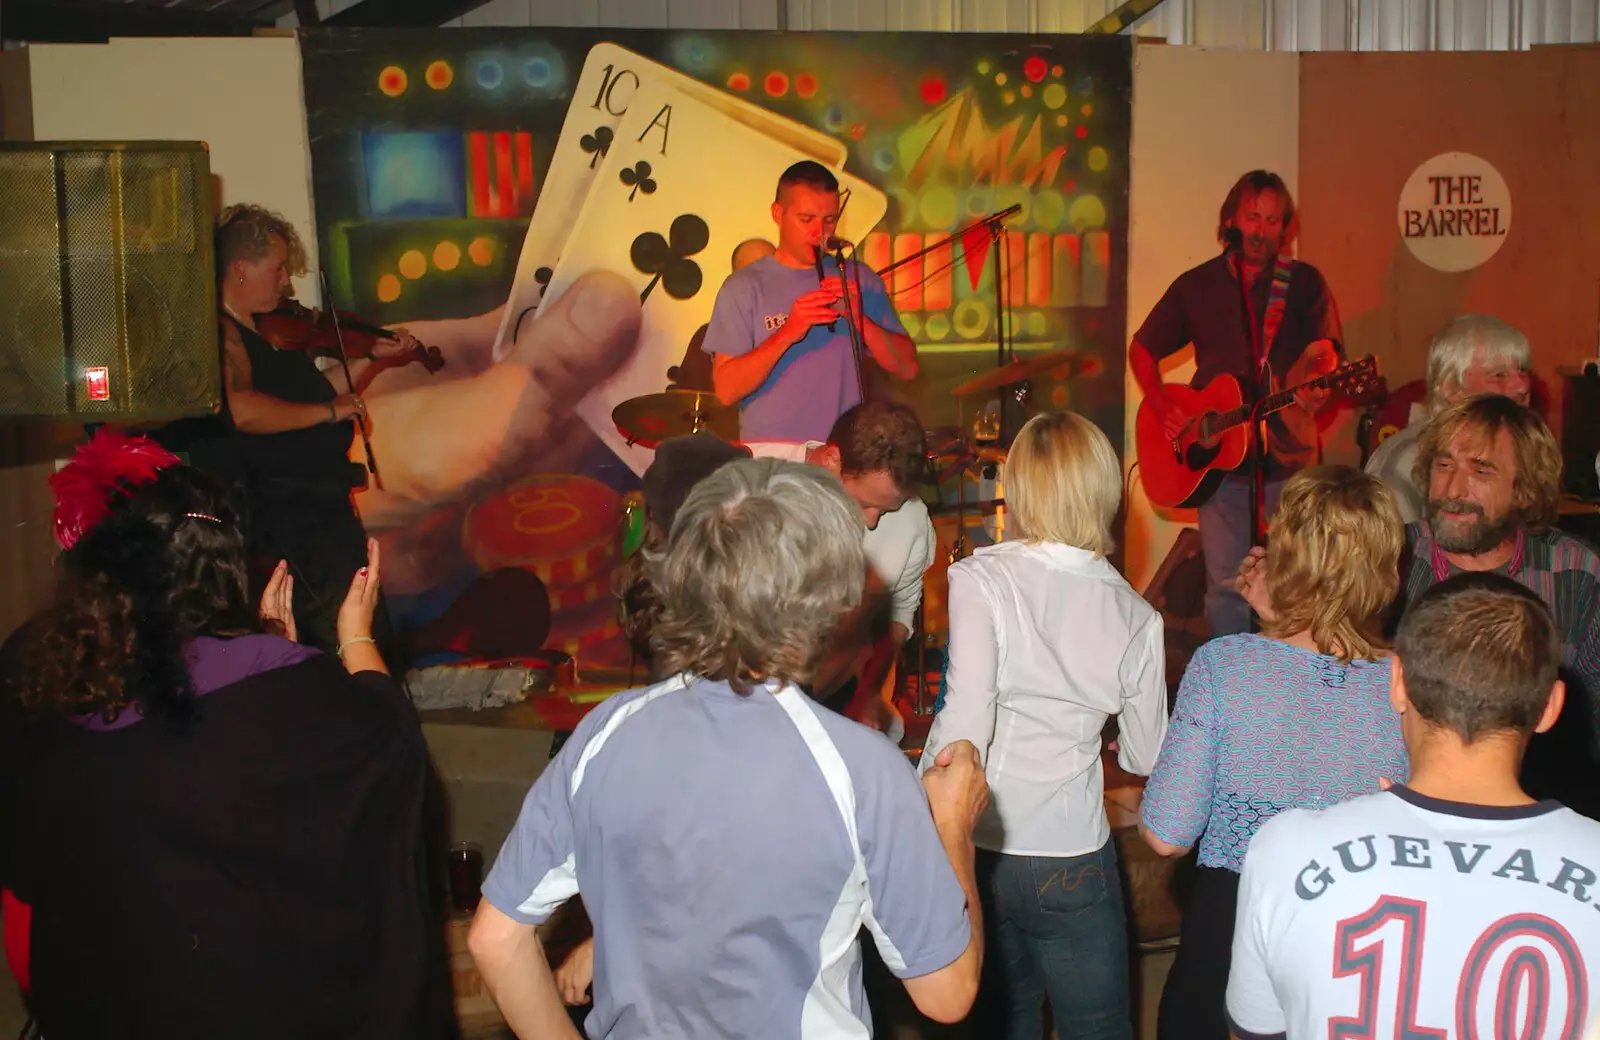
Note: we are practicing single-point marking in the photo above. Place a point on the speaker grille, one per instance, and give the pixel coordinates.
(107, 251)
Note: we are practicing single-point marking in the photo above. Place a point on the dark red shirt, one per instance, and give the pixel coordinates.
(1202, 307)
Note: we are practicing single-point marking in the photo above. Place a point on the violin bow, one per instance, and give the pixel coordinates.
(344, 363)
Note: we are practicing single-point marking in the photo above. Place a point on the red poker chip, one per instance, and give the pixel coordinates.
(563, 527)
(577, 630)
(568, 598)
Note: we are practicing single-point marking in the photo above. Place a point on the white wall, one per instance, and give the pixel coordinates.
(1200, 119)
(241, 96)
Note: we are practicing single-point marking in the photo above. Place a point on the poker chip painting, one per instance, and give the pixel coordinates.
(567, 529)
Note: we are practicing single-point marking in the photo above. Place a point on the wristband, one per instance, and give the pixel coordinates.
(333, 413)
(355, 639)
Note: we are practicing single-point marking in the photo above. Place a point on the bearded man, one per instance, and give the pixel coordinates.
(1492, 470)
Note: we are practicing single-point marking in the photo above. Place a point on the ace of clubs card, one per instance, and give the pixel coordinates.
(611, 79)
(682, 187)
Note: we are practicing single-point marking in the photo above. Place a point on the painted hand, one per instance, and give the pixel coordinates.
(442, 439)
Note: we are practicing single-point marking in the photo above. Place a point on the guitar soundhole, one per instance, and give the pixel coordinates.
(1197, 456)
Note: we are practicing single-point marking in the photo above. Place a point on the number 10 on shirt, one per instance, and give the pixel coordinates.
(1523, 979)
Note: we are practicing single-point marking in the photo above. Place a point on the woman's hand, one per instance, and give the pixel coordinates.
(349, 406)
(575, 974)
(1251, 583)
(355, 614)
(277, 603)
(354, 623)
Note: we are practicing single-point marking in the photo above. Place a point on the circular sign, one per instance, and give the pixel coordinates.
(1455, 212)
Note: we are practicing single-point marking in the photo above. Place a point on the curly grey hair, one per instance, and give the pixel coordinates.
(763, 561)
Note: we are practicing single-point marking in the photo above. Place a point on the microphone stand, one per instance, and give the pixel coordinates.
(1255, 439)
(851, 317)
(1005, 353)
(990, 221)
(1005, 349)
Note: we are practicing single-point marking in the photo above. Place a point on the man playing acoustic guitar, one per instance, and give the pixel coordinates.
(1298, 324)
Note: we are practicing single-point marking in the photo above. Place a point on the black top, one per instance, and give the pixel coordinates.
(258, 876)
(290, 375)
(1203, 307)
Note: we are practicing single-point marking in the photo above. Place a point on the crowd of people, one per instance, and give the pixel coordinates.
(211, 828)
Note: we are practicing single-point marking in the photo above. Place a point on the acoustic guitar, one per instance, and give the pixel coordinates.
(1183, 472)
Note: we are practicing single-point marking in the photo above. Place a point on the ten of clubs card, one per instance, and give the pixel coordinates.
(603, 96)
(681, 186)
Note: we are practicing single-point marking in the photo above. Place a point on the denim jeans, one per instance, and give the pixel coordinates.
(1053, 926)
(1225, 539)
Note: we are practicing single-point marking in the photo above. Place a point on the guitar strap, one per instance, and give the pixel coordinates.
(1277, 300)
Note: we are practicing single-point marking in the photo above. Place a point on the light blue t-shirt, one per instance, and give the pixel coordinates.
(815, 380)
(707, 834)
(1261, 727)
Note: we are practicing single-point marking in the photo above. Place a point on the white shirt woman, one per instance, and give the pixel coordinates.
(1047, 641)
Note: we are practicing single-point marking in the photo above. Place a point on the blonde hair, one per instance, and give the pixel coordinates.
(1333, 560)
(1063, 482)
(244, 232)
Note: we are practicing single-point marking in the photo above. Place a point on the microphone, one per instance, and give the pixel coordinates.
(822, 279)
(835, 244)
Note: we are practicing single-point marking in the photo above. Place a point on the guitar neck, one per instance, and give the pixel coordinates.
(1269, 404)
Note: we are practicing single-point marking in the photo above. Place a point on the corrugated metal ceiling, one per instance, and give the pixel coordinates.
(1291, 25)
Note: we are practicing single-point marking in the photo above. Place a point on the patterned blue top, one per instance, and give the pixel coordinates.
(1261, 726)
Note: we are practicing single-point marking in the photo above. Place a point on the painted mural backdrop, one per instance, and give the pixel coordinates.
(455, 170)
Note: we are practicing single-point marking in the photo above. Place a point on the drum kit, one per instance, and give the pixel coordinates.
(953, 451)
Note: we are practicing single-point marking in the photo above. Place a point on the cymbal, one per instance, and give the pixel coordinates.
(651, 419)
(1016, 372)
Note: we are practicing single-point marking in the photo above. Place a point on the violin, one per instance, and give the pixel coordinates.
(293, 326)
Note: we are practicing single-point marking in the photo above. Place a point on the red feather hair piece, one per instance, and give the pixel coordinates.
(109, 464)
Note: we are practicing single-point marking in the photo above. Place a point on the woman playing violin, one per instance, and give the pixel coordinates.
(291, 421)
(257, 253)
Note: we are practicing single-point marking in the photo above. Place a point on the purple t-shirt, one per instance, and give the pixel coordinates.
(815, 380)
(215, 663)
(707, 834)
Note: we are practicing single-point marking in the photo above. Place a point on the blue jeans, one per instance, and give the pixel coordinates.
(1225, 539)
(1053, 926)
